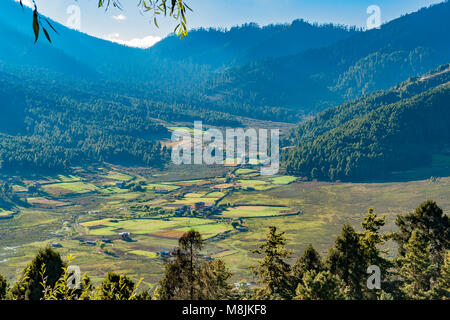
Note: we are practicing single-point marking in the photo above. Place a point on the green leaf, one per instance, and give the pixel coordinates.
(47, 35)
(35, 25)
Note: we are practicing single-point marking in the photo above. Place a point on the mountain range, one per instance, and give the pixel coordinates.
(81, 99)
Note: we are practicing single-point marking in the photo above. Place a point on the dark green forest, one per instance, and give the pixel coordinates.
(397, 129)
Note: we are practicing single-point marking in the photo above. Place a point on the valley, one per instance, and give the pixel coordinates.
(353, 119)
(128, 219)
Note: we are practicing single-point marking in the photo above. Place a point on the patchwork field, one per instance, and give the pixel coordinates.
(59, 189)
(108, 227)
(256, 211)
(88, 206)
(43, 202)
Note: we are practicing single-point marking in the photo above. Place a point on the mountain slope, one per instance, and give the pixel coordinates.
(399, 129)
(173, 71)
(70, 52)
(315, 79)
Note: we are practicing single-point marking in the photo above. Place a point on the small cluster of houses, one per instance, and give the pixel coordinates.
(87, 242)
(203, 208)
(184, 210)
(199, 207)
(126, 236)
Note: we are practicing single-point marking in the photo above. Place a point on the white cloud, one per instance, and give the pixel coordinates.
(27, 3)
(119, 17)
(143, 43)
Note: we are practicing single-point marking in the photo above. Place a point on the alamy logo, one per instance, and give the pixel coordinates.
(374, 20)
(209, 147)
(374, 280)
(74, 20)
(74, 279)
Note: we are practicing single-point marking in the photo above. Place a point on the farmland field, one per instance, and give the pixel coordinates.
(253, 211)
(108, 227)
(283, 180)
(69, 188)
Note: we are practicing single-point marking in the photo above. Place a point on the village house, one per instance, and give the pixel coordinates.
(126, 236)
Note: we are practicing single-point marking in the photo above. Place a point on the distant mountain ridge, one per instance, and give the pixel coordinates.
(363, 63)
(173, 71)
(249, 42)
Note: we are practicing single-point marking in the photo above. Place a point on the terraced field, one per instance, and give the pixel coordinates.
(71, 209)
(59, 189)
(256, 211)
(108, 227)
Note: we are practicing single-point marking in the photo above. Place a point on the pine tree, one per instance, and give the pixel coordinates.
(309, 261)
(191, 242)
(322, 285)
(175, 283)
(442, 287)
(47, 264)
(371, 240)
(213, 279)
(346, 260)
(417, 269)
(272, 270)
(3, 287)
(430, 221)
(181, 277)
(117, 287)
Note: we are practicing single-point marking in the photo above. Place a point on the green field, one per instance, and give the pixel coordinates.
(150, 226)
(209, 230)
(5, 213)
(147, 254)
(262, 202)
(253, 211)
(244, 171)
(252, 183)
(113, 190)
(283, 180)
(68, 178)
(69, 188)
(155, 186)
(113, 175)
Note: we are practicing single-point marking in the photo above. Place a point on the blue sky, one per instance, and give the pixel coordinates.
(132, 28)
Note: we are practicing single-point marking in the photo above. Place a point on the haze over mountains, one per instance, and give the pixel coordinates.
(298, 66)
(360, 64)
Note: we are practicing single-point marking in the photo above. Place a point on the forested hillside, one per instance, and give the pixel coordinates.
(398, 129)
(249, 42)
(278, 72)
(172, 72)
(318, 78)
(83, 99)
(46, 130)
(54, 126)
